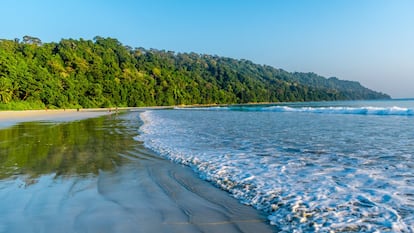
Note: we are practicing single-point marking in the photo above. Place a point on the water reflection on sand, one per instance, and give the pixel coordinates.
(91, 176)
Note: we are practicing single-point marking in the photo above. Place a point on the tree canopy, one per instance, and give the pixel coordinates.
(103, 72)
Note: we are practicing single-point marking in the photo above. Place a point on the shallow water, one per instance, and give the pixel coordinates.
(340, 166)
(92, 176)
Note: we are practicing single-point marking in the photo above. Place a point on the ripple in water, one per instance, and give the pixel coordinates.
(309, 172)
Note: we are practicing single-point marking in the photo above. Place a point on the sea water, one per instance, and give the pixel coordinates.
(312, 167)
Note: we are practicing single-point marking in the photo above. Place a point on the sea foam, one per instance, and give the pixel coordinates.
(370, 110)
(309, 174)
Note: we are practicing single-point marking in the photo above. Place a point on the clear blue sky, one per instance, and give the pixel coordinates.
(370, 41)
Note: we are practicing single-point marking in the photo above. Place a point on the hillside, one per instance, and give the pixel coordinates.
(103, 73)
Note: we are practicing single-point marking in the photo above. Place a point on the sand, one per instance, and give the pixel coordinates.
(9, 118)
(91, 176)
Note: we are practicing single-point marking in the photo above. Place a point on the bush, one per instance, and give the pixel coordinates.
(22, 105)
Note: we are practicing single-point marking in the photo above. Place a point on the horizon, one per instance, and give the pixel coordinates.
(369, 41)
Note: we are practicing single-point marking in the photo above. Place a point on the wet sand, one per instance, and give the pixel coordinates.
(9, 118)
(91, 176)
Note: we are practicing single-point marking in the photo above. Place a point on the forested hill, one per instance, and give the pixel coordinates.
(103, 73)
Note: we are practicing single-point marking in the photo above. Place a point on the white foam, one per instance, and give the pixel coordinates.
(366, 110)
(319, 185)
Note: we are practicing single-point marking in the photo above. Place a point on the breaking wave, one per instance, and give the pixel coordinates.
(370, 110)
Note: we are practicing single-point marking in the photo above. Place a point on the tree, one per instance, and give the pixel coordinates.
(6, 91)
(102, 72)
(32, 40)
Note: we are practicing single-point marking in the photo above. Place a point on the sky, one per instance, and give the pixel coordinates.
(369, 41)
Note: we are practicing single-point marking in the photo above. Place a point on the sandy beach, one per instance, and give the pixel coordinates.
(8, 118)
(91, 176)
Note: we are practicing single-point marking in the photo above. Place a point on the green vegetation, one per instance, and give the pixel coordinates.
(105, 73)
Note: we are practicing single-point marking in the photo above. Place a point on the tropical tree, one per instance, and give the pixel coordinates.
(6, 90)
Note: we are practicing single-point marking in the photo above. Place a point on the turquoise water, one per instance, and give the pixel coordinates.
(322, 166)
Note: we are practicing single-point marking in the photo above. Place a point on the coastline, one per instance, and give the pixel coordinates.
(127, 188)
(10, 118)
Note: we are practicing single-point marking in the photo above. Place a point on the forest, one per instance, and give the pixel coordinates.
(78, 73)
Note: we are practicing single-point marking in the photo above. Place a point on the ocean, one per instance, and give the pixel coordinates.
(311, 167)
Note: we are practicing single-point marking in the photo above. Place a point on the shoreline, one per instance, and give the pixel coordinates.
(138, 191)
(10, 118)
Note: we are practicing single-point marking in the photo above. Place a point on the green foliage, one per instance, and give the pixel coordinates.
(104, 73)
(6, 90)
(23, 105)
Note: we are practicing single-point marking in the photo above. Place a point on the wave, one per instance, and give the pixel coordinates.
(215, 108)
(325, 184)
(379, 111)
(397, 111)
